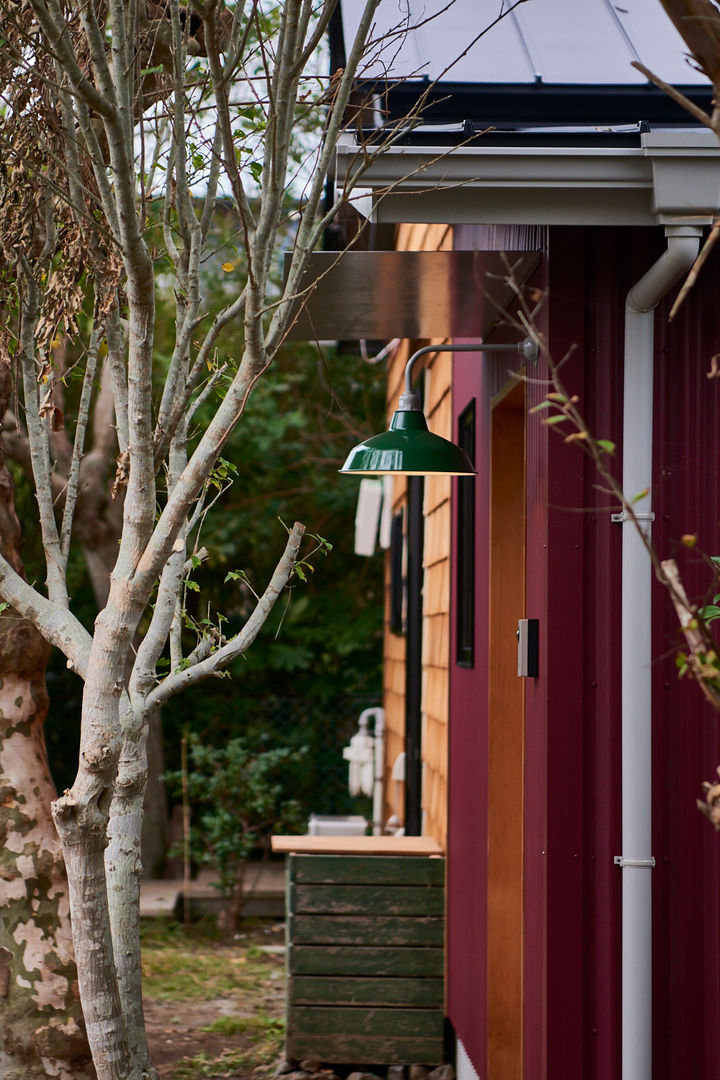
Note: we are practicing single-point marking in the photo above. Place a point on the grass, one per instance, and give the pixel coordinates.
(266, 1048)
(197, 966)
(214, 1068)
(261, 1026)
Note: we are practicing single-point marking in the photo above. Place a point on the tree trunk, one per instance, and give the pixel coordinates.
(81, 817)
(123, 869)
(43, 1034)
(100, 560)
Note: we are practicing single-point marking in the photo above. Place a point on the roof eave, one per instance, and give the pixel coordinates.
(668, 176)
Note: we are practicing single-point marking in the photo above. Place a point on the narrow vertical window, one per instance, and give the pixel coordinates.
(397, 575)
(465, 567)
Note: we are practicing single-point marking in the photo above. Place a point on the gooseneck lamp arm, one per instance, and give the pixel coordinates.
(408, 448)
(527, 348)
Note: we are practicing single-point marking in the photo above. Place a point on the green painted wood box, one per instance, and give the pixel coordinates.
(365, 957)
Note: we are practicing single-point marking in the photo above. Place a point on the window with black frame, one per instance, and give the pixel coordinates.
(397, 575)
(465, 565)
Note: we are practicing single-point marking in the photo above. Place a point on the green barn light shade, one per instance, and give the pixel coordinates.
(408, 447)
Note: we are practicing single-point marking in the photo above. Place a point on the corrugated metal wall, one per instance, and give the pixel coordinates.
(572, 718)
(687, 746)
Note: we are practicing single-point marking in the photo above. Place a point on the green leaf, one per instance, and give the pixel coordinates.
(555, 419)
(193, 585)
(236, 575)
(606, 445)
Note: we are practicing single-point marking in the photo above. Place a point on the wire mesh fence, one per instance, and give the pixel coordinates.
(323, 726)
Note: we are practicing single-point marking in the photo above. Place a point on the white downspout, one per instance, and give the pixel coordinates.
(636, 859)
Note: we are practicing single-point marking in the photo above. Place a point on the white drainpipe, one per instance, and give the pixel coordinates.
(636, 859)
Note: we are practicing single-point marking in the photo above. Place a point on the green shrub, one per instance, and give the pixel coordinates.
(239, 796)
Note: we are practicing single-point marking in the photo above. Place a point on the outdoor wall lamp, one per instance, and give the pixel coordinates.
(408, 447)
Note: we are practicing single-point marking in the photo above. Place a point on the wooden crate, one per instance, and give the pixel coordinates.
(365, 937)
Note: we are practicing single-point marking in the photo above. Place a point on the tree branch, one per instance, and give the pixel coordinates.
(39, 442)
(57, 625)
(78, 445)
(218, 660)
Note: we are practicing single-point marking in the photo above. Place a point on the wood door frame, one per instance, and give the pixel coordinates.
(506, 729)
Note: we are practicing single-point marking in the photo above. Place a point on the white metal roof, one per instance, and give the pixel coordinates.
(553, 41)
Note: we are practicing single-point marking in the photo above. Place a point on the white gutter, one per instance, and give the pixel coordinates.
(636, 860)
(666, 174)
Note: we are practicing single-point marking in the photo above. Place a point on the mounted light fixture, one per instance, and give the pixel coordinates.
(408, 447)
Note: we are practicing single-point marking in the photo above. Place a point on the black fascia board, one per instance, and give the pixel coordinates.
(471, 134)
(540, 104)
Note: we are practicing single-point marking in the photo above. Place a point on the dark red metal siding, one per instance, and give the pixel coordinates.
(587, 272)
(686, 742)
(480, 379)
(573, 719)
(590, 273)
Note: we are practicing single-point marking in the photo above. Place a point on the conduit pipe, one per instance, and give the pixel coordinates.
(378, 808)
(636, 860)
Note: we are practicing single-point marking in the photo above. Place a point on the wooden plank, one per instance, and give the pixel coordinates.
(365, 1049)
(333, 990)
(357, 845)
(365, 930)
(366, 900)
(346, 960)
(367, 870)
(400, 1023)
(506, 739)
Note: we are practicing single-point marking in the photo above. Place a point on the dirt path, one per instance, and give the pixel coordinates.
(175, 1033)
(215, 1009)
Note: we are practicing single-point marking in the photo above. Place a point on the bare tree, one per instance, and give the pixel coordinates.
(123, 126)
